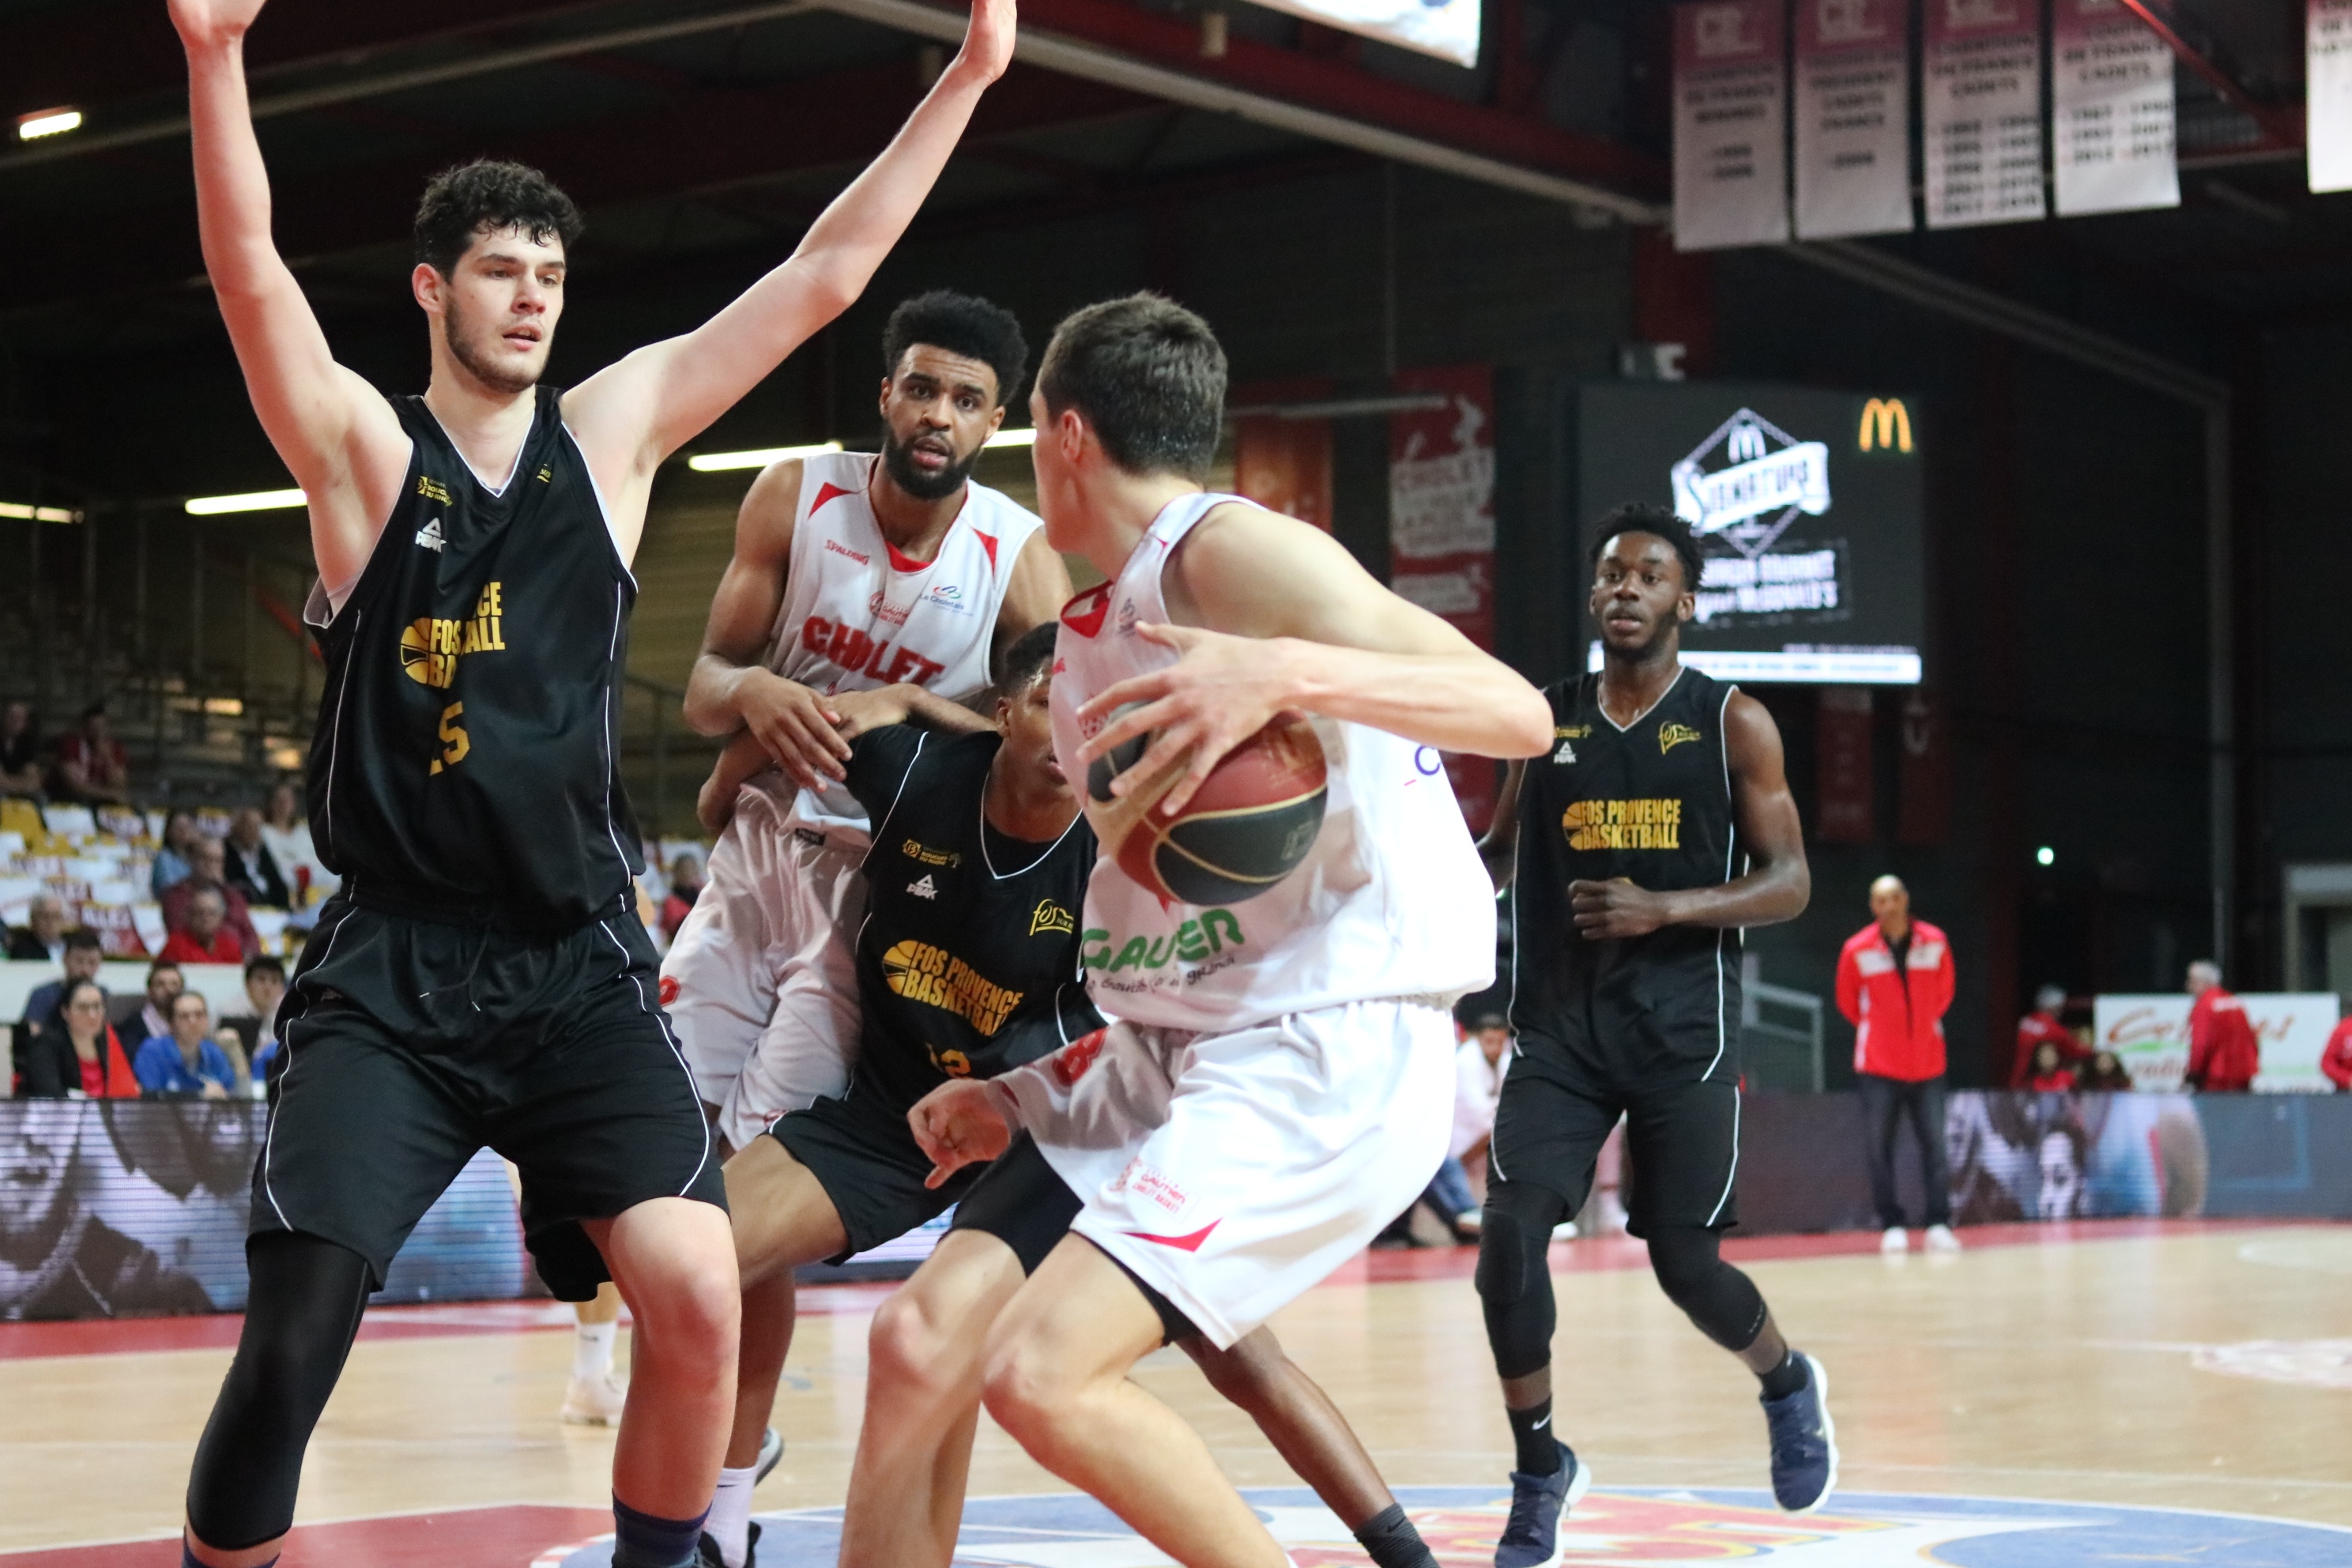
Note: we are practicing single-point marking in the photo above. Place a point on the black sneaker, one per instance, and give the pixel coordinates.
(1805, 1442)
(1531, 1536)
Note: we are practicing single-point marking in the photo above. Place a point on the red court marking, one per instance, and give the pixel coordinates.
(511, 1533)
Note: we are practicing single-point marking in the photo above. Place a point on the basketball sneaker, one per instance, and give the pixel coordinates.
(1894, 1240)
(707, 1554)
(1941, 1239)
(772, 1454)
(1531, 1535)
(594, 1401)
(1805, 1442)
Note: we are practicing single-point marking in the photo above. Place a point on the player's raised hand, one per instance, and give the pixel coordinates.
(988, 40)
(957, 1124)
(1220, 690)
(213, 21)
(1617, 908)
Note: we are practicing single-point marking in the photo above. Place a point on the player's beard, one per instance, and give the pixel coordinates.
(899, 462)
(461, 349)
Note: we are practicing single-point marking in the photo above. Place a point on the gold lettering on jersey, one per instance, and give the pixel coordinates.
(1623, 824)
(921, 972)
(924, 855)
(1051, 917)
(545, 477)
(455, 742)
(1673, 735)
(431, 646)
(954, 1063)
(432, 489)
(1570, 731)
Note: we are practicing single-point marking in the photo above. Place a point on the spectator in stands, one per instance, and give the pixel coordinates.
(164, 982)
(1895, 979)
(2335, 1061)
(252, 869)
(2223, 1056)
(170, 868)
(187, 1060)
(684, 887)
(82, 957)
(2051, 1073)
(265, 988)
(288, 837)
(2105, 1074)
(42, 938)
(1479, 1063)
(207, 871)
(20, 749)
(80, 1053)
(204, 938)
(2042, 1026)
(92, 767)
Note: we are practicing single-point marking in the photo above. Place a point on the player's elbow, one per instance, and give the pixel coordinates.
(1525, 723)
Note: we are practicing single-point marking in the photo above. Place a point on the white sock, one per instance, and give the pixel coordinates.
(592, 1350)
(729, 1523)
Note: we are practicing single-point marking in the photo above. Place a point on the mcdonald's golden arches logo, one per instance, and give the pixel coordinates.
(1886, 424)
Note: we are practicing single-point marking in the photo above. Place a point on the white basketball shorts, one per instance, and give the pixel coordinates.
(762, 983)
(1232, 1172)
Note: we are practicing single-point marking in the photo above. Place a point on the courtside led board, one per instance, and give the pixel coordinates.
(1807, 507)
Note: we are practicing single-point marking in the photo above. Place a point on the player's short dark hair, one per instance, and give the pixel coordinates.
(263, 964)
(1026, 658)
(1643, 517)
(81, 939)
(1148, 376)
(962, 324)
(488, 197)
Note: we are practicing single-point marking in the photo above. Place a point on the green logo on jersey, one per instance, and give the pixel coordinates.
(1193, 941)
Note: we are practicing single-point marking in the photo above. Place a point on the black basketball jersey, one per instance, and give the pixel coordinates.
(967, 959)
(1650, 803)
(464, 757)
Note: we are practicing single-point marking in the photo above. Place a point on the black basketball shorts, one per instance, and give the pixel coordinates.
(1682, 1135)
(863, 1154)
(411, 1044)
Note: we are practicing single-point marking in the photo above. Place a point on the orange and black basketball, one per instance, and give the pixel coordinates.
(1243, 830)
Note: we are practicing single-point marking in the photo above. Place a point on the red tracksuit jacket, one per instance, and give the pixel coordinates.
(1897, 1015)
(2223, 1056)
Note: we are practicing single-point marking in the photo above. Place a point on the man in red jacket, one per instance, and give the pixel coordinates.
(2223, 1056)
(2336, 1061)
(1893, 981)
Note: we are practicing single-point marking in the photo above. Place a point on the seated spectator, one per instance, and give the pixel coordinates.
(171, 867)
(92, 767)
(20, 749)
(206, 938)
(2105, 1074)
(79, 1053)
(288, 838)
(207, 870)
(82, 956)
(2335, 1061)
(2042, 1026)
(252, 869)
(1479, 1063)
(684, 887)
(2051, 1075)
(187, 1060)
(265, 988)
(42, 937)
(151, 1016)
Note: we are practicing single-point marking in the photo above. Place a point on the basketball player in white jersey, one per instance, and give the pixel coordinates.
(1263, 1108)
(852, 572)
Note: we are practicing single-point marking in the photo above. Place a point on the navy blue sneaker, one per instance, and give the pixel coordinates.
(1805, 1442)
(1531, 1536)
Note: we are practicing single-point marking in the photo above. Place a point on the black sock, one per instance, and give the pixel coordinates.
(188, 1558)
(1391, 1541)
(644, 1541)
(1787, 1378)
(1531, 1430)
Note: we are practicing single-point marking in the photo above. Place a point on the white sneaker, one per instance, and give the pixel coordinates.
(1894, 1240)
(594, 1401)
(1941, 1239)
(1564, 1231)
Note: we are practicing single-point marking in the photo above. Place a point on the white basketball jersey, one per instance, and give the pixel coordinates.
(858, 615)
(1392, 901)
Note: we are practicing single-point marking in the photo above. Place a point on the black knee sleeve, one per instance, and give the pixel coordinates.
(1514, 1281)
(1723, 1302)
(301, 1317)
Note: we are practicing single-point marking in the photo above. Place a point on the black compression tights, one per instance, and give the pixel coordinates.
(300, 1321)
(1515, 1282)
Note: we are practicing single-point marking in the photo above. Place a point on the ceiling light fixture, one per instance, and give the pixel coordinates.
(717, 462)
(258, 501)
(1014, 439)
(46, 123)
(37, 513)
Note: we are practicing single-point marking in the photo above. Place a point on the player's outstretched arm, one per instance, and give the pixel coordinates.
(656, 399)
(336, 433)
(1275, 615)
(1777, 885)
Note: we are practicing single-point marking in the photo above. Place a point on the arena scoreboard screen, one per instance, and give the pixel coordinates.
(1807, 505)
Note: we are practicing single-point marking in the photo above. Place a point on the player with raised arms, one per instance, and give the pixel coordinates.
(1659, 825)
(481, 978)
(1278, 1085)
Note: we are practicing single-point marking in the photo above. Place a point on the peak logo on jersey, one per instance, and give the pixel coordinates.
(432, 489)
(923, 887)
(430, 646)
(1623, 824)
(1083, 615)
(854, 650)
(921, 972)
(1191, 942)
(1673, 735)
(924, 855)
(837, 547)
(1567, 752)
(1070, 1063)
(429, 536)
(1051, 917)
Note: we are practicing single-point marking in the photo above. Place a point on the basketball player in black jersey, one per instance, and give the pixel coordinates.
(1659, 826)
(482, 978)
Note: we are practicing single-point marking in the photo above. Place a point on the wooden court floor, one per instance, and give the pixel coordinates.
(2179, 1366)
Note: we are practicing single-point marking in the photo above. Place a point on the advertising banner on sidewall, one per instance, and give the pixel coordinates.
(2150, 1034)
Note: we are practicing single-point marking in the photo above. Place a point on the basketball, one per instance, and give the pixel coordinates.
(1243, 830)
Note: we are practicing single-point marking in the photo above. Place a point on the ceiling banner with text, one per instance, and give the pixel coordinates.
(1853, 117)
(1980, 111)
(1731, 118)
(2113, 110)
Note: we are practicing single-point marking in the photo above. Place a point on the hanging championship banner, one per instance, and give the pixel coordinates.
(2111, 88)
(1731, 114)
(1924, 776)
(2328, 90)
(1844, 777)
(1980, 111)
(1853, 113)
(1283, 464)
(1442, 528)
